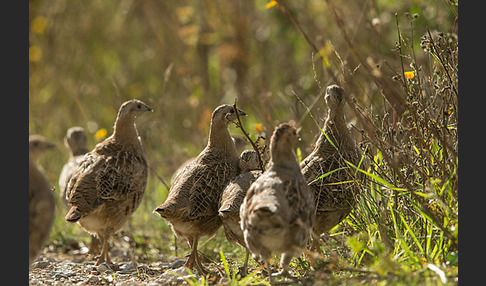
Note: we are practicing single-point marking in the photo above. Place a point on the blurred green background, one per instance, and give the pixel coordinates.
(184, 58)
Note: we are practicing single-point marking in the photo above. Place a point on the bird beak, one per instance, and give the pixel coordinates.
(149, 108)
(241, 112)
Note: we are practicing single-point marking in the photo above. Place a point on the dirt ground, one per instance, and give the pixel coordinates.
(72, 265)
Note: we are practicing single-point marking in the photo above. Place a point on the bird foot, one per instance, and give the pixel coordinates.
(243, 271)
(202, 270)
(285, 275)
(190, 262)
(100, 259)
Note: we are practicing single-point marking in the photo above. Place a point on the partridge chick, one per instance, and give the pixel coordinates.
(233, 196)
(76, 141)
(191, 207)
(333, 201)
(42, 204)
(109, 183)
(277, 213)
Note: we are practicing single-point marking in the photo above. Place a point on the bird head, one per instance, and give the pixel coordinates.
(133, 108)
(38, 144)
(226, 113)
(334, 96)
(76, 139)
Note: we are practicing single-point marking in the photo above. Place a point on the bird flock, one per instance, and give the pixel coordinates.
(281, 210)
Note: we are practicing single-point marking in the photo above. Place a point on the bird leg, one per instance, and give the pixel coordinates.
(191, 260)
(202, 270)
(316, 245)
(244, 268)
(94, 247)
(269, 270)
(284, 264)
(104, 255)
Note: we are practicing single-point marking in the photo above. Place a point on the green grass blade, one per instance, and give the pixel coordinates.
(326, 174)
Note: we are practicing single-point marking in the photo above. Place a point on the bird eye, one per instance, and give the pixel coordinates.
(232, 111)
(139, 106)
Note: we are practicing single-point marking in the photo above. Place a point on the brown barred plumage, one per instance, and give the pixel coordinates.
(191, 207)
(233, 196)
(108, 185)
(333, 202)
(277, 213)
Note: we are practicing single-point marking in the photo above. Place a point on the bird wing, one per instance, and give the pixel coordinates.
(235, 191)
(106, 177)
(208, 184)
(300, 200)
(197, 190)
(333, 191)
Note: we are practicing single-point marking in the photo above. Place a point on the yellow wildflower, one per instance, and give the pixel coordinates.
(271, 4)
(259, 127)
(409, 74)
(100, 134)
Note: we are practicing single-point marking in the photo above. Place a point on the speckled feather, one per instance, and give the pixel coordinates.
(233, 196)
(109, 184)
(231, 200)
(191, 208)
(111, 172)
(197, 195)
(277, 213)
(333, 202)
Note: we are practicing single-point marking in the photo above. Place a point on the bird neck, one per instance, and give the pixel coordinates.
(335, 128)
(79, 151)
(220, 138)
(284, 157)
(126, 132)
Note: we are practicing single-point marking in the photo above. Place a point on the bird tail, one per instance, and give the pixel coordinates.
(161, 210)
(73, 215)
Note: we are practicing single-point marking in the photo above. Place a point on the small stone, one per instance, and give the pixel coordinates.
(93, 279)
(90, 269)
(41, 264)
(176, 264)
(59, 276)
(128, 267)
(128, 283)
(108, 278)
(103, 267)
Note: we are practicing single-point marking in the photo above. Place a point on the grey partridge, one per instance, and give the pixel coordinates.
(109, 183)
(334, 194)
(277, 213)
(76, 141)
(233, 196)
(42, 204)
(191, 207)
